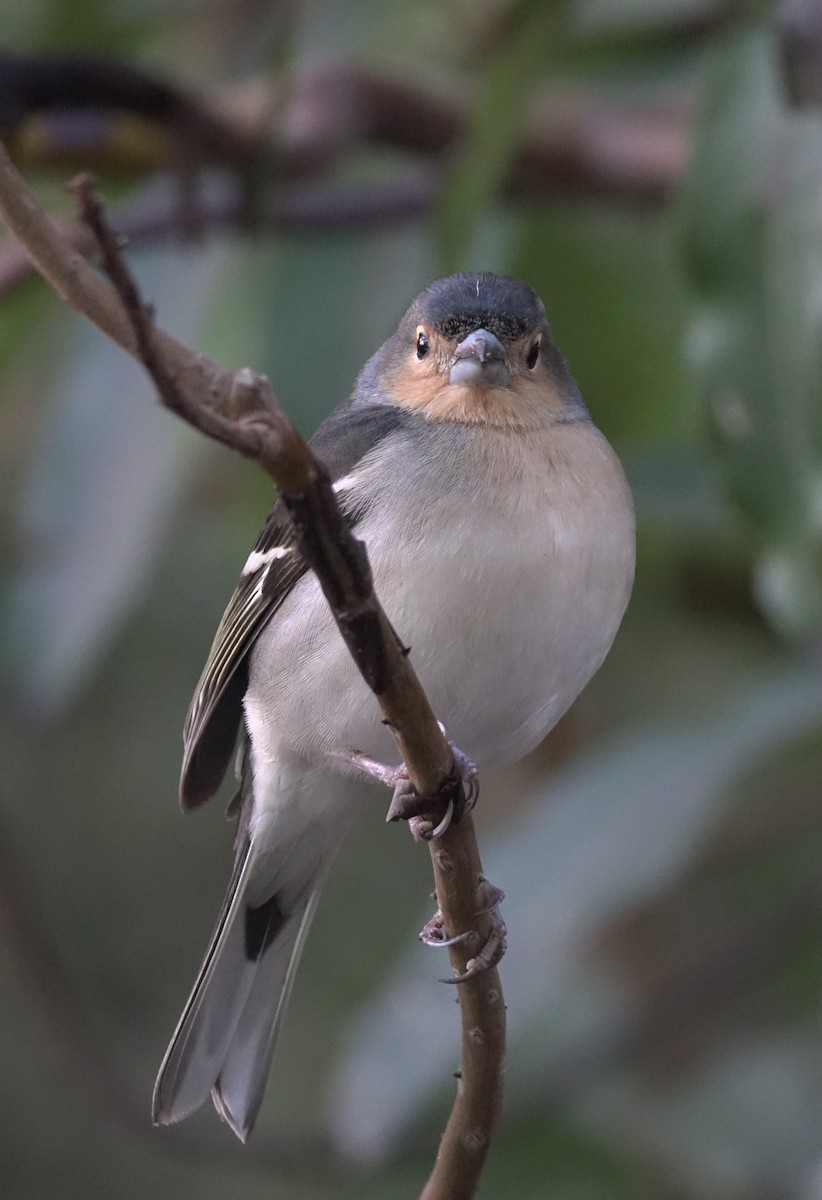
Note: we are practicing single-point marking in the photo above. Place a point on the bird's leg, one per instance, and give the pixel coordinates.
(434, 934)
(374, 769)
(408, 805)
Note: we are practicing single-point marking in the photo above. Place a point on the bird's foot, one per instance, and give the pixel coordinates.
(408, 805)
(434, 934)
(466, 768)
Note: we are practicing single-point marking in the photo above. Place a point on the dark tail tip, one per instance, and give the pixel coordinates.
(262, 925)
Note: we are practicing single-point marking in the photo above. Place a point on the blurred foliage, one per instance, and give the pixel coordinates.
(751, 235)
(660, 852)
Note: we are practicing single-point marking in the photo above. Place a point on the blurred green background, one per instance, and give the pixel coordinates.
(661, 852)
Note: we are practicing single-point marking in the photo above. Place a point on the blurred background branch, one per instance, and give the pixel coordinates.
(570, 142)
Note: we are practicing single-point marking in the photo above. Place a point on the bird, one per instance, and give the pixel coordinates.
(500, 530)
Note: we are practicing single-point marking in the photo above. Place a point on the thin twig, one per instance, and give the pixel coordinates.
(478, 1103)
(302, 207)
(241, 411)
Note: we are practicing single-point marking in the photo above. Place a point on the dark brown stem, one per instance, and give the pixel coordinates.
(478, 1103)
(60, 83)
(241, 411)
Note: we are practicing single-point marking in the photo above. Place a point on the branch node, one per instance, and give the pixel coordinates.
(476, 1139)
(246, 393)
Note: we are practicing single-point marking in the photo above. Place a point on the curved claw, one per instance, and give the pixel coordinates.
(467, 770)
(432, 933)
(497, 943)
(444, 824)
(422, 830)
(454, 941)
(491, 953)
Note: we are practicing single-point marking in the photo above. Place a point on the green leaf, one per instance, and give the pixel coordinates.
(494, 131)
(750, 236)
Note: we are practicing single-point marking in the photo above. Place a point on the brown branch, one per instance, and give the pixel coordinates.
(478, 1103)
(63, 83)
(302, 207)
(323, 114)
(139, 122)
(578, 145)
(575, 142)
(241, 412)
(798, 29)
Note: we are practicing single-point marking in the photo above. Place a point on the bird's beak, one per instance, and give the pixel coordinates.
(480, 361)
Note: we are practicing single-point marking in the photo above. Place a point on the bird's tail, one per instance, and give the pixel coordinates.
(224, 1041)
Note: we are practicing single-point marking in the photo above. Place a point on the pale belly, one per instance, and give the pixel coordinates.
(506, 623)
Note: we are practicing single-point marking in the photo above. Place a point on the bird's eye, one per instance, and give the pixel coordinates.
(533, 356)
(422, 345)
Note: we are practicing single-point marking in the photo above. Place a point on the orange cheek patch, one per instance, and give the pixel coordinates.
(527, 403)
(416, 389)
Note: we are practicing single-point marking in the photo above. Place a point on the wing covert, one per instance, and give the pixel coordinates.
(270, 572)
(210, 731)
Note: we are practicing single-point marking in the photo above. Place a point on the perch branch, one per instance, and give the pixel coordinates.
(241, 411)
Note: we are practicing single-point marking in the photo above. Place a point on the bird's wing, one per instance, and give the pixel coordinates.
(270, 572)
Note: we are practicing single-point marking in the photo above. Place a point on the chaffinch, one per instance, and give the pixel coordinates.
(500, 531)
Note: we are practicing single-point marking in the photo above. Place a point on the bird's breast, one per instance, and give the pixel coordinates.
(505, 571)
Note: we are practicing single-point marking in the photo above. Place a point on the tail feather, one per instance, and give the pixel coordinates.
(239, 1090)
(225, 1038)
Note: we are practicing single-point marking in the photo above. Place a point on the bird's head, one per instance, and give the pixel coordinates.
(477, 348)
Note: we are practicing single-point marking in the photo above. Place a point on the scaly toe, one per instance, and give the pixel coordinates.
(466, 769)
(490, 955)
(433, 933)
